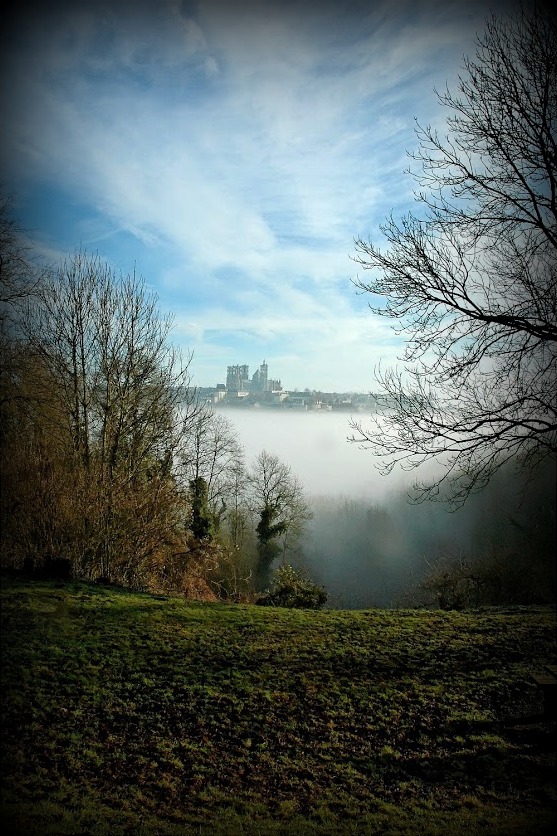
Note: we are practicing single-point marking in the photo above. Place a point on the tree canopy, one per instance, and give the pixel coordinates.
(278, 499)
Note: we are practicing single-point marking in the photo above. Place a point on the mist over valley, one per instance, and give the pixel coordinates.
(370, 546)
(314, 444)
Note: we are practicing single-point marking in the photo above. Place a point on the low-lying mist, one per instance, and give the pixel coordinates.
(314, 445)
(378, 554)
(369, 546)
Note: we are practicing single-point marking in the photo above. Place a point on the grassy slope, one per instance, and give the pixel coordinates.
(127, 713)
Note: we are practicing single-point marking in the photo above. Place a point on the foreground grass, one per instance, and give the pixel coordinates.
(134, 714)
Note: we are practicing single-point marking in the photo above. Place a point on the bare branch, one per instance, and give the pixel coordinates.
(471, 281)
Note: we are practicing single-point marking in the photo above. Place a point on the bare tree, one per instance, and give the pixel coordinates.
(21, 377)
(19, 276)
(238, 515)
(19, 281)
(278, 499)
(471, 280)
(210, 451)
(118, 387)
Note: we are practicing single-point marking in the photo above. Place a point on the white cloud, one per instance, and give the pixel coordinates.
(247, 145)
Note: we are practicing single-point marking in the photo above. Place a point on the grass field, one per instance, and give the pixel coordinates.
(125, 713)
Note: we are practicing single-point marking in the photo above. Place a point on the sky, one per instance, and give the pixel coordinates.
(231, 153)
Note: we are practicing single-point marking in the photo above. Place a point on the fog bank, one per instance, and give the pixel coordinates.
(314, 445)
(367, 544)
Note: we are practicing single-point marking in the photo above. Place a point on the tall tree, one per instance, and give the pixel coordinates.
(116, 387)
(211, 459)
(25, 473)
(278, 499)
(19, 282)
(19, 276)
(471, 278)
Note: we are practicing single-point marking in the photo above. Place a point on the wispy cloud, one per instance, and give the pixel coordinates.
(243, 147)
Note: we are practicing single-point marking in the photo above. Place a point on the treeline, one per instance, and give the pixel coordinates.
(111, 467)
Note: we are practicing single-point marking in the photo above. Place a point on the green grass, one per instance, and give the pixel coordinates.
(125, 713)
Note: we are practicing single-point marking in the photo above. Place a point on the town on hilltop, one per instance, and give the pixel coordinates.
(261, 391)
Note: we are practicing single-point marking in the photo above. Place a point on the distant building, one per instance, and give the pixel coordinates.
(259, 380)
(263, 391)
(237, 378)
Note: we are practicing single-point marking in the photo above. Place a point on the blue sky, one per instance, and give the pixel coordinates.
(231, 152)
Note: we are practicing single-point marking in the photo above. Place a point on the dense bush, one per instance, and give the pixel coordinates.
(291, 588)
